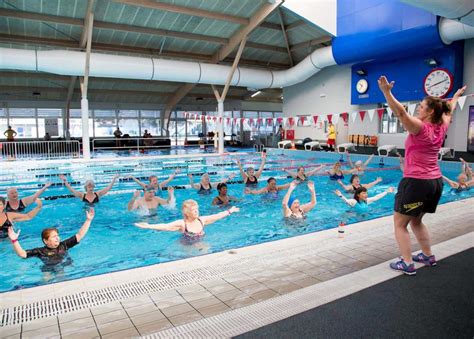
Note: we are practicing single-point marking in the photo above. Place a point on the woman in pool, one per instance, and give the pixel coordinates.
(301, 175)
(90, 197)
(358, 167)
(271, 188)
(250, 176)
(464, 180)
(205, 185)
(355, 183)
(7, 218)
(292, 207)
(54, 250)
(223, 199)
(18, 205)
(336, 173)
(192, 225)
(361, 200)
(422, 185)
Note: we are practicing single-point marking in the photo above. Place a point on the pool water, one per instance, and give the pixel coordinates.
(113, 242)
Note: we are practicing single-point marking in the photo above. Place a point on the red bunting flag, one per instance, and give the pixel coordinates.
(242, 120)
(291, 121)
(279, 120)
(235, 120)
(269, 121)
(302, 119)
(220, 120)
(345, 117)
(315, 119)
(259, 121)
(362, 115)
(228, 121)
(380, 112)
(214, 118)
(329, 116)
(251, 121)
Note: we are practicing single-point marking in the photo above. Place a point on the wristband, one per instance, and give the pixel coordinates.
(228, 211)
(14, 241)
(340, 196)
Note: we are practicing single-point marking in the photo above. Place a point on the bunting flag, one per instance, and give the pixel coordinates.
(362, 115)
(461, 101)
(259, 121)
(389, 112)
(345, 117)
(214, 118)
(380, 112)
(335, 118)
(242, 120)
(411, 109)
(196, 116)
(220, 120)
(251, 121)
(269, 121)
(284, 121)
(354, 116)
(371, 114)
(203, 118)
(228, 121)
(329, 117)
(235, 121)
(291, 121)
(315, 119)
(280, 120)
(302, 119)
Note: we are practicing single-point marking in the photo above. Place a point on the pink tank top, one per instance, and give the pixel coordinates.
(421, 152)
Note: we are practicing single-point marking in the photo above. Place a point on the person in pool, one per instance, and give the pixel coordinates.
(250, 176)
(149, 201)
(358, 167)
(192, 225)
(301, 175)
(464, 179)
(15, 205)
(223, 199)
(292, 207)
(90, 197)
(7, 218)
(153, 181)
(336, 173)
(271, 188)
(205, 185)
(355, 183)
(361, 200)
(54, 250)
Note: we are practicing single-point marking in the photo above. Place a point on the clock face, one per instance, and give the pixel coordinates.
(438, 82)
(362, 86)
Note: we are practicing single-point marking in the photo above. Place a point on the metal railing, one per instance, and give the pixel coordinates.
(40, 149)
(127, 143)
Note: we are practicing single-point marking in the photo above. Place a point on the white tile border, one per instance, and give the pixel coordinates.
(251, 317)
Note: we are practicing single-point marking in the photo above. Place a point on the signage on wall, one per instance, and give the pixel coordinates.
(470, 132)
(51, 126)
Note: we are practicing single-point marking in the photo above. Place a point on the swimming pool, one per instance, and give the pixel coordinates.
(113, 243)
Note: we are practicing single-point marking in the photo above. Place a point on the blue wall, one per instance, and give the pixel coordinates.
(391, 38)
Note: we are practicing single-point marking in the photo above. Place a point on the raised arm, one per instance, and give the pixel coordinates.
(16, 244)
(284, 202)
(450, 182)
(292, 174)
(314, 171)
(466, 169)
(214, 184)
(172, 226)
(368, 161)
(28, 216)
(77, 194)
(283, 187)
(453, 102)
(347, 188)
(350, 202)
(142, 184)
(31, 199)
(106, 190)
(209, 219)
(309, 206)
(373, 183)
(85, 226)
(349, 160)
(191, 182)
(411, 124)
(132, 203)
(242, 172)
(251, 191)
(262, 165)
(379, 196)
(171, 177)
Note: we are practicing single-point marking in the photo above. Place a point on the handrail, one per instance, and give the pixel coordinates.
(13, 150)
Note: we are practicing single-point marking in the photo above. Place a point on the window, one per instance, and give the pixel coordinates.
(75, 123)
(50, 120)
(3, 122)
(390, 125)
(252, 127)
(150, 121)
(194, 125)
(23, 121)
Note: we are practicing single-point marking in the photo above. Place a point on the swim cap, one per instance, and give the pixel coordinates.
(291, 201)
(358, 163)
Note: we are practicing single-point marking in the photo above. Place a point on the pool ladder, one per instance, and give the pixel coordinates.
(259, 147)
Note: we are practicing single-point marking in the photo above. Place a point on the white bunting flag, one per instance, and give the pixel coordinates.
(371, 113)
(335, 118)
(461, 101)
(354, 115)
(284, 121)
(389, 112)
(411, 109)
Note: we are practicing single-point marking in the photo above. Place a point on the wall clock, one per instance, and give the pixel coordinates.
(362, 86)
(438, 82)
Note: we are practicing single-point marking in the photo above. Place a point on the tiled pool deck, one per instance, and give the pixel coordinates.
(168, 295)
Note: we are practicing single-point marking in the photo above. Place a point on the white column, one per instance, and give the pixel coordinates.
(86, 150)
(220, 128)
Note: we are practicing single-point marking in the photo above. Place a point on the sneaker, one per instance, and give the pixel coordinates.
(401, 266)
(424, 259)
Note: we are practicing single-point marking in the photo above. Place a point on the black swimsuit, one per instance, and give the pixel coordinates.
(21, 207)
(5, 226)
(95, 201)
(191, 237)
(203, 190)
(253, 182)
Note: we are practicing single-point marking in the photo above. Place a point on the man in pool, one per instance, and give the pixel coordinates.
(54, 250)
(18, 205)
(271, 188)
(149, 202)
(153, 181)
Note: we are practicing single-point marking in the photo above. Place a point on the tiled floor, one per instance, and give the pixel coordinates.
(249, 276)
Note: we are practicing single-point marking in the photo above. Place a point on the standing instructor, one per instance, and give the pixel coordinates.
(420, 189)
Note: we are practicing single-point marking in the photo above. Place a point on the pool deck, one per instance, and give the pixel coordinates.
(226, 293)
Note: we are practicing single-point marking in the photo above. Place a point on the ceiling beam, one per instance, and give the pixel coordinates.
(185, 10)
(311, 43)
(285, 36)
(295, 25)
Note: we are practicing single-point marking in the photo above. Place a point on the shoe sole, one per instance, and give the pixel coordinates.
(404, 272)
(426, 263)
